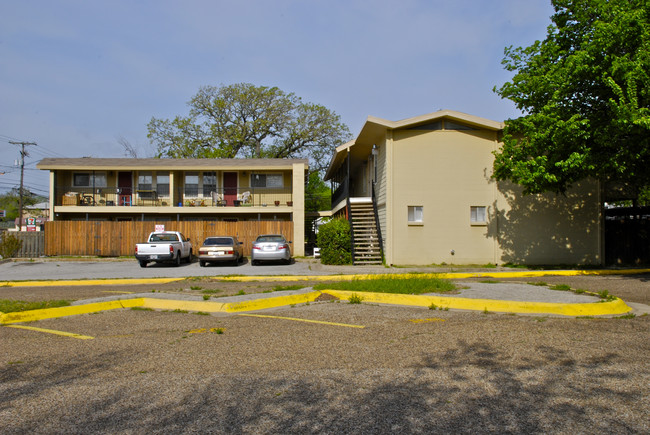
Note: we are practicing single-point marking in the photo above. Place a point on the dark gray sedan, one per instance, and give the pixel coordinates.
(271, 247)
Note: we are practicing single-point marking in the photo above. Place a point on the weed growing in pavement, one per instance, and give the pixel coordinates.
(180, 311)
(585, 317)
(141, 309)
(485, 311)
(241, 292)
(206, 297)
(540, 319)
(201, 313)
(278, 288)
(433, 306)
(355, 298)
(196, 287)
(489, 281)
(579, 291)
(626, 316)
(539, 283)
(218, 330)
(605, 296)
(211, 291)
(411, 284)
(561, 287)
(11, 306)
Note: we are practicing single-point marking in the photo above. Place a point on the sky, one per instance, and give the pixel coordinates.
(78, 76)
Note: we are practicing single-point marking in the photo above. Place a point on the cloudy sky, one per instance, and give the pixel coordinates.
(77, 75)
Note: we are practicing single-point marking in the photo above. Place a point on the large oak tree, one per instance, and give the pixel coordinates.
(585, 96)
(245, 121)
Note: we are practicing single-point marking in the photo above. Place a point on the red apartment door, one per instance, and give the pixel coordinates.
(124, 188)
(230, 187)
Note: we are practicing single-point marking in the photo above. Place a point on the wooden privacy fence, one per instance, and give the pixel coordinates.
(114, 239)
(33, 244)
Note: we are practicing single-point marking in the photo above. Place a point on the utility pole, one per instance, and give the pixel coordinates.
(23, 154)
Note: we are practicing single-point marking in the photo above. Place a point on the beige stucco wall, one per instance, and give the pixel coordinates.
(447, 172)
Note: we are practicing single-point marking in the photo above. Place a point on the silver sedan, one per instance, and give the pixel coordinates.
(270, 247)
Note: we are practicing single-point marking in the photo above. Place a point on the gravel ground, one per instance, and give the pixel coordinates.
(410, 370)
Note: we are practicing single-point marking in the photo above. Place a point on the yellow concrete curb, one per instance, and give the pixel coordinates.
(281, 278)
(78, 282)
(159, 304)
(616, 306)
(50, 313)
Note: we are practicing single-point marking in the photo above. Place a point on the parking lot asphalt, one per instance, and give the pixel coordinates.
(321, 366)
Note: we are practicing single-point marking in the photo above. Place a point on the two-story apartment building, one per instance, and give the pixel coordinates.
(422, 190)
(123, 189)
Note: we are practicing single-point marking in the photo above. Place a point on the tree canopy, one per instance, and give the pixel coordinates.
(585, 96)
(247, 121)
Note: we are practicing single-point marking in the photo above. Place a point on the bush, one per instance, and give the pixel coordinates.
(9, 245)
(334, 242)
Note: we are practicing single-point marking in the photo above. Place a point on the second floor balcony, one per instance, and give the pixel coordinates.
(147, 197)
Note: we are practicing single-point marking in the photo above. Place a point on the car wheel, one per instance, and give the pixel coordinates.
(177, 261)
(143, 263)
(189, 257)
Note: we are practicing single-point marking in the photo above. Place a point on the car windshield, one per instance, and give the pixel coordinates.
(272, 239)
(218, 241)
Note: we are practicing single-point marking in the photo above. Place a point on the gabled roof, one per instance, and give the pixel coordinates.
(115, 164)
(374, 130)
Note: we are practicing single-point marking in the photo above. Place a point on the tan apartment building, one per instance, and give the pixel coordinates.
(126, 189)
(424, 185)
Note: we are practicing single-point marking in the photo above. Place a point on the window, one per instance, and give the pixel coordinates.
(192, 184)
(89, 179)
(209, 183)
(145, 181)
(415, 215)
(162, 185)
(267, 180)
(478, 215)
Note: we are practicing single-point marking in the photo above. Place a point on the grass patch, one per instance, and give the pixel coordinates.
(279, 288)
(211, 291)
(561, 287)
(413, 285)
(489, 281)
(12, 306)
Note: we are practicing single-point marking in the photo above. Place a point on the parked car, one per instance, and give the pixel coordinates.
(164, 246)
(221, 248)
(270, 247)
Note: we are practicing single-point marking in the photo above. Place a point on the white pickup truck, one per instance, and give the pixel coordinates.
(164, 246)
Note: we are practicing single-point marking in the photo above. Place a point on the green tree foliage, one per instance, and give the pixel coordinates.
(243, 120)
(317, 193)
(334, 242)
(585, 95)
(9, 202)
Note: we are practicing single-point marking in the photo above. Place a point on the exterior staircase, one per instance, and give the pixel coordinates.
(367, 249)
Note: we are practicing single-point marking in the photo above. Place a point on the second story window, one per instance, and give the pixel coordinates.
(267, 180)
(162, 184)
(192, 184)
(209, 183)
(89, 179)
(145, 181)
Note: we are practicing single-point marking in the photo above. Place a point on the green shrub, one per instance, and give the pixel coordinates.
(9, 245)
(334, 242)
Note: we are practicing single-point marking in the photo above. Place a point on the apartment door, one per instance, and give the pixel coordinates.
(124, 188)
(230, 187)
